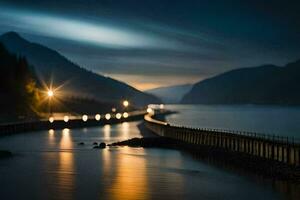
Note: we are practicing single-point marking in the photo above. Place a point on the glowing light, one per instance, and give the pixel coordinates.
(118, 115)
(125, 103)
(113, 109)
(50, 93)
(107, 116)
(97, 117)
(161, 106)
(150, 110)
(51, 119)
(66, 118)
(84, 118)
(125, 115)
(51, 131)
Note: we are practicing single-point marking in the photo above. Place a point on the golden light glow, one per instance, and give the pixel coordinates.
(113, 109)
(161, 106)
(84, 118)
(118, 115)
(125, 115)
(130, 177)
(50, 93)
(97, 117)
(66, 118)
(150, 110)
(125, 103)
(107, 116)
(51, 119)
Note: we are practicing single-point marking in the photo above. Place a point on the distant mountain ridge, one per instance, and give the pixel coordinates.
(267, 84)
(171, 94)
(49, 64)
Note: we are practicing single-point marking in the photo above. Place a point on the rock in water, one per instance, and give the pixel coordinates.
(102, 145)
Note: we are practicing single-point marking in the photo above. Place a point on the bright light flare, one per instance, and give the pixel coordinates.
(50, 93)
(84, 118)
(97, 117)
(107, 116)
(125, 115)
(118, 115)
(66, 118)
(161, 106)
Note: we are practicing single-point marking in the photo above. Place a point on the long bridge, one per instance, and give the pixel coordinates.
(70, 121)
(269, 147)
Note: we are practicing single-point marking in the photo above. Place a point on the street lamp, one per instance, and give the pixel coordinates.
(97, 117)
(118, 115)
(84, 118)
(125, 103)
(107, 116)
(66, 118)
(50, 94)
(51, 119)
(125, 114)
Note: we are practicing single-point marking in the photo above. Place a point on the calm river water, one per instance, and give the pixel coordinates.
(51, 165)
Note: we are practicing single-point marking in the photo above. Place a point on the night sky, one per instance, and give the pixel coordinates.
(152, 43)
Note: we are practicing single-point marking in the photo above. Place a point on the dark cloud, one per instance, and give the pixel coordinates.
(189, 39)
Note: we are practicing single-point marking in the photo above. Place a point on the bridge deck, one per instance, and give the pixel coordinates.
(73, 122)
(282, 149)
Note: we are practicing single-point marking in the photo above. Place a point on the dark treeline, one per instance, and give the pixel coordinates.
(18, 85)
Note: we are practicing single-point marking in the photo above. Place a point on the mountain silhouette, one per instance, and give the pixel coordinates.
(50, 66)
(267, 84)
(170, 94)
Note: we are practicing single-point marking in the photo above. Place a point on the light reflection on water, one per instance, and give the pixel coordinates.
(106, 131)
(51, 165)
(130, 178)
(60, 167)
(66, 177)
